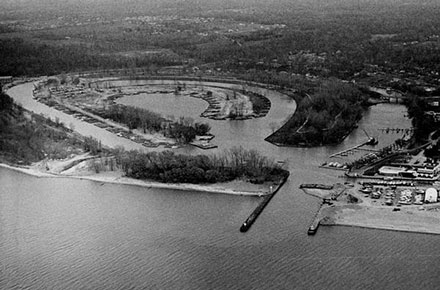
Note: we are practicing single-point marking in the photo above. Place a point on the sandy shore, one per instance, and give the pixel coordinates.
(115, 177)
(370, 213)
(408, 219)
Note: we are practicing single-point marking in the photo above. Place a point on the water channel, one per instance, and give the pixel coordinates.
(79, 234)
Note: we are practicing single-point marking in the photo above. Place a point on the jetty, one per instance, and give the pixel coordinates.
(259, 209)
(331, 194)
(313, 228)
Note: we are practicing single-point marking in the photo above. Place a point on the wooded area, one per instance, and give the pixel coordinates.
(293, 45)
(324, 117)
(177, 168)
(26, 137)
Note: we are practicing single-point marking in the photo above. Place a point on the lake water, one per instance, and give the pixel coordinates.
(78, 234)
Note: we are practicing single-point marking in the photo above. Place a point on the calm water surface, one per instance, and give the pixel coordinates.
(77, 234)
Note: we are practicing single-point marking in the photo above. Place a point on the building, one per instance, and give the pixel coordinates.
(428, 170)
(431, 195)
(391, 170)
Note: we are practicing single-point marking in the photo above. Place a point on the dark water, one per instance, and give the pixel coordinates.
(77, 234)
(72, 234)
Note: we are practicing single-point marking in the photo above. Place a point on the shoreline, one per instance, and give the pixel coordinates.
(412, 231)
(136, 182)
(410, 219)
(387, 223)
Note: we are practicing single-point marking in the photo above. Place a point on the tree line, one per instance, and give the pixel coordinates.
(182, 129)
(27, 137)
(323, 117)
(169, 167)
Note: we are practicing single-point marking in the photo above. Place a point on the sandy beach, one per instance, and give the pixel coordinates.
(236, 187)
(408, 219)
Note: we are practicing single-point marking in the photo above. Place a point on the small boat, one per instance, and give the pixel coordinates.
(366, 190)
(372, 141)
(405, 202)
(375, 195)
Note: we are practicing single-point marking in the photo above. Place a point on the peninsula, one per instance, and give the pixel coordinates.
(49, 149)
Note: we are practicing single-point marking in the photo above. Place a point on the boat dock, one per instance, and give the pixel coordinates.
(352, 149)
(254, 215)
(346, 151)
(316, 185)
(203, 145)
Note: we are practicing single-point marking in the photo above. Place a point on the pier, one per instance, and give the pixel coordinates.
(265, 200)
(327, 195)
(396, 130)
(349, 150)
(316, 185)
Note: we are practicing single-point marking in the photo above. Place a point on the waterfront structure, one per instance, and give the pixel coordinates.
(425, 171)
(392, 171)
(431, 195)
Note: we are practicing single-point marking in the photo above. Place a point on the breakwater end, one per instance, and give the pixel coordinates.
(265, 200)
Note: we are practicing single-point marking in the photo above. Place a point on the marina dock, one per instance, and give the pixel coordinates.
(346, 151)
(316, 185)
(254, 215)
(350, 150)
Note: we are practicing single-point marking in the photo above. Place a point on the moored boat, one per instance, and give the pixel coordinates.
(366, 190)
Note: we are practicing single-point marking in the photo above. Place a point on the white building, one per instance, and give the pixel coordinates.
(431, 195)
